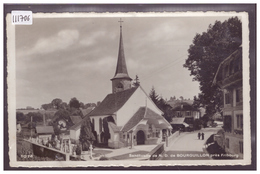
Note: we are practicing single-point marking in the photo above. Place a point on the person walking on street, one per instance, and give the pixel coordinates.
(199, 135)
(202, 136)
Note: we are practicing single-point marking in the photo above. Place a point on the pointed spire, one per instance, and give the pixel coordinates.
(121, 69)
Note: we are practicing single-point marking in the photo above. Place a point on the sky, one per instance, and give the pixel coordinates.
(76, 57)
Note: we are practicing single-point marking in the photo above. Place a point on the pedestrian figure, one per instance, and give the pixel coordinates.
(199, 135)
(202, 136)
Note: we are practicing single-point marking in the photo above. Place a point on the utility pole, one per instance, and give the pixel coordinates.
(31, 126)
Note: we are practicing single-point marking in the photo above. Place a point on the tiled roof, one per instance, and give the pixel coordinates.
(87, 111)
(136, 118)
(78, 125)
(113, 102)
(75, 119)
(141, 113)
(44, 129)
(151, 114)
(114, 127)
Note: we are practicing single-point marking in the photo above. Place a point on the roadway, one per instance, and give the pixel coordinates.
(187, 146)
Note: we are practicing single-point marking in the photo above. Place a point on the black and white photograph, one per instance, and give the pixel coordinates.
(128, 89)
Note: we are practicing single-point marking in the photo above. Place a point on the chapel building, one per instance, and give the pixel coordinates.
(127, 116)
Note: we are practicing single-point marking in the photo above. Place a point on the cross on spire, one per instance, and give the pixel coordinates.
(121, 22)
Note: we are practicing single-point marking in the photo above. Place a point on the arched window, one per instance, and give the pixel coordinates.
(120, 86)
(93, 124)
(100, 124)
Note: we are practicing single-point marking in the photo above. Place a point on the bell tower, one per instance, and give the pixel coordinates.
(121, 80)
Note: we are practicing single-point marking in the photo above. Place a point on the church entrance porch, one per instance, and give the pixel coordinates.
(140, 137)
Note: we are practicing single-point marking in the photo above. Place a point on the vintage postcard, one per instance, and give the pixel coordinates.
(128, 89)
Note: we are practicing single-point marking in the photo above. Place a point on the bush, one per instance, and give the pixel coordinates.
(216, 149)
(197, 124)
(78, 150)
(210, 139)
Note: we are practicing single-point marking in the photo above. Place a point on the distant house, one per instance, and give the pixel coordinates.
(178, 124)
(184, 109)
(75, 131)
(44, 132)
(229, 77)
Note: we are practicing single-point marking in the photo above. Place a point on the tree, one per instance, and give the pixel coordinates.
(74, 103)
(136, 81)
(76, 112)
(86, 136)
(197, 124)
(20, 116)
(166, 108)
(161, 104)
(81, 105)
(154, 96)
(29, 108)
(47, 106)
(56, 103)
(36, 117)
(106, 129)
(208, 50)
(64, 105)
(63, 114)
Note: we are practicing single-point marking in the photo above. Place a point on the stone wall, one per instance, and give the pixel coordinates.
(173, 137)
(232, 145)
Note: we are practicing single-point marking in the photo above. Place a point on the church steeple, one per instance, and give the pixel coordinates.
(121, 79)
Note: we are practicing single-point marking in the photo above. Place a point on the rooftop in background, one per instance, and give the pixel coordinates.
(26, 111)
(75, 119)
(44, 130)
(87, 111)
(183, 106)
(173, 102)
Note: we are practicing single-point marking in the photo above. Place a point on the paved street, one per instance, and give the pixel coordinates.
(188, 147)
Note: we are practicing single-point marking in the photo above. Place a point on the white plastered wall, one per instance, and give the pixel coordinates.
(137, 100)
